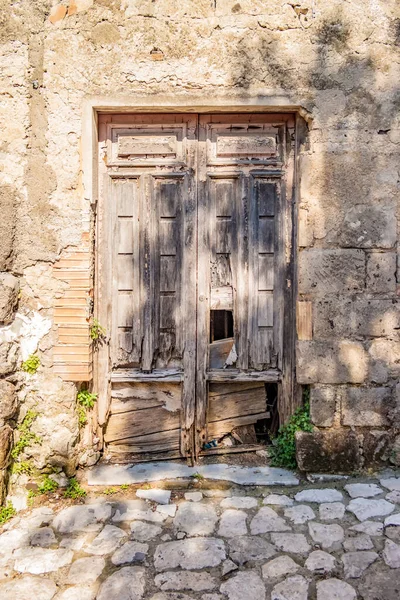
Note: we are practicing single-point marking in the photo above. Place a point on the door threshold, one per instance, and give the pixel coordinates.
(161, 471)
(234, 449)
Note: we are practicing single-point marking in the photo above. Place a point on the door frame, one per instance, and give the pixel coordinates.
(289, 397)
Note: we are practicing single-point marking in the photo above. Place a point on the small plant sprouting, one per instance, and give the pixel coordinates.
(23, 467)
(197, 476)
(6, 512)
(86, 401)
(97, 331)
(74, 490)
(124, 486)
(110, 491)
(26, 436)
(283, 451)
(47, 486)
(31, 364)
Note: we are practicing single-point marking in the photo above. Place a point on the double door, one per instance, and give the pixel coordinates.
(193, 247)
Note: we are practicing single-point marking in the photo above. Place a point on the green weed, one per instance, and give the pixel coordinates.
(97, 331)
(24, 466)
(74, 490)
(6, 512)
(26, 436)
(86, 401)
(31, 364)
(283, 450)
(110, 491)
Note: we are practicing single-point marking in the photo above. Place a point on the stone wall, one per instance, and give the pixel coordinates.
(339, 60)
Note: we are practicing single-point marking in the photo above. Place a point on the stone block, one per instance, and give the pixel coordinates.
(323, 405)
(324, 271)
(385, 360)
(7, 225)
(339, 362)
(5, 445)
(328, 452)
(8, 400)
(368, 226)
(9, 288)
(395, 452)
(8, 358)
(381, 272)
(376, 447)
(346, 317)
(367, 407)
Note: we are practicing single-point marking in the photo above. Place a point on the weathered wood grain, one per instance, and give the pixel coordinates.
(161, 441)
(218, 429)
(235, 400)
(125, 425)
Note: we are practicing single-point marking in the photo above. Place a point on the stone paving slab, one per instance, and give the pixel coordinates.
(161, 471)
(338, 540)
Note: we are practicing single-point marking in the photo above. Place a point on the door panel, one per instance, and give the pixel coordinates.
(191, 276)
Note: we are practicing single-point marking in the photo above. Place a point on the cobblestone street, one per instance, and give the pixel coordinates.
(328, 539)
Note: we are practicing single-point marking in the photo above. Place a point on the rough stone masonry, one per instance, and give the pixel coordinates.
(338, 60)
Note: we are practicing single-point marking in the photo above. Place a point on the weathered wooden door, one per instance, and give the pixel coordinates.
(191, 271)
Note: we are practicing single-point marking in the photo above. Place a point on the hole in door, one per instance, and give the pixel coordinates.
(221, 325)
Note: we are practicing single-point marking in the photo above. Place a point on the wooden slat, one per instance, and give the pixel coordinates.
(218, 429)
(128, 397)
(219, 352)
(148, 246)
(221, 375)
(188, 299)
(161, 441)
(240, 263)
(121, 426)
(239, 401)
(133, 375)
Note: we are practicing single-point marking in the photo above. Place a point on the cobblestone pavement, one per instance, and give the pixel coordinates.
(332, 540)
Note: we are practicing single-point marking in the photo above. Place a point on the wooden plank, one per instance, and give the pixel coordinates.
(127, 397)
(218, 429)
(304, 321)
(265, 272)
(219, 352)
(123, 458)
(236, 403)
(188, 291)
(233, 449)
(240, 266)
(218, 389)
(121, 426)
(162, 441)
(245, 434)
(148, 246)
(221, 298)
(206, 215)
(222, 375)
(135, 375)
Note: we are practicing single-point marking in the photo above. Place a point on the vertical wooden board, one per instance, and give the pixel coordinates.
(266, 198)
(125, 310)
(253, 235)
(221, 271)
(223, 231)
(168, 199)
(167, 311)
(264, 350)
(148, 248)
(125, 341)
(169, 233)
(125, 268)
(125, 236)
(265, 272)
(265, 309)
(279, 275)
(240, 260)
(266, 235)
(126, 199)
(224, 198)
(168, 274)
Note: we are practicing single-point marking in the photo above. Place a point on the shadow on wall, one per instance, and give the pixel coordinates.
(350, 198)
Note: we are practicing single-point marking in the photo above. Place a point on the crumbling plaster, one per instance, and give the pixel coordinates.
(338, 63)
